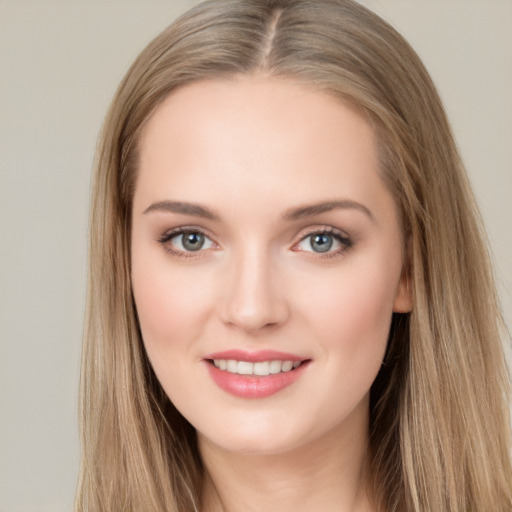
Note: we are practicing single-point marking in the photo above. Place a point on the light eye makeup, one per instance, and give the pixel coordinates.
(325, 242)
(320, 241)
(186, 242)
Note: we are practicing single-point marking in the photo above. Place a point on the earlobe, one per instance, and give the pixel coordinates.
(404, 302)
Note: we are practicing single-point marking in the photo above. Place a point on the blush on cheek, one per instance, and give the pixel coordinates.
(359, 315)
(171, 305)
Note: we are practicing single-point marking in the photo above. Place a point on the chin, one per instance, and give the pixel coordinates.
(253, 442)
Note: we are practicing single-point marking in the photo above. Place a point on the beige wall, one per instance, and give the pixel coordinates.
(60, 62)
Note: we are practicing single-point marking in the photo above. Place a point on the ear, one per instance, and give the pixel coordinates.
(404, 302)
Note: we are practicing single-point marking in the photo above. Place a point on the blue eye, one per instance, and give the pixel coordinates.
(187, 241)
(324, 242)
(321, 242)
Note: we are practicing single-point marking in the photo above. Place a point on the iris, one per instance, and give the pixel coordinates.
(321, 242)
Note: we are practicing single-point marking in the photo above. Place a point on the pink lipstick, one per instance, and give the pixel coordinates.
(255, 374)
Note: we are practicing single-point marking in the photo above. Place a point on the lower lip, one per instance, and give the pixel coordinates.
(254, 386)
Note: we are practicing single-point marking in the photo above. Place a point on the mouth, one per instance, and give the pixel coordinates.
(260, 368)
(255, 375)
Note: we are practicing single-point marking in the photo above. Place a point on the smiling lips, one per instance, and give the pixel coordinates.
(256, 374)
(261, 368)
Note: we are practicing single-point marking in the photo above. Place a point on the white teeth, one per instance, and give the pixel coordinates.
(261, 368)
(245, 368)
(232, 366)
(275, 367)
(287, 366)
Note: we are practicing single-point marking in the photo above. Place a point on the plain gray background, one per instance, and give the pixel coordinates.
(60, 62)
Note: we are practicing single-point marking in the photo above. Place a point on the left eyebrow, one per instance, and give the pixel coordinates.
(304, 212)
(183, 208)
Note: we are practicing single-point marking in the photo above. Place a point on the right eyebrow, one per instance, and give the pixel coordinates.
(326, 206)
(184, 208)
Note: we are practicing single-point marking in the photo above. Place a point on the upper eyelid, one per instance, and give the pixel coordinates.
(343, 238)
(165, 241)
(298, 237)
(170, 233)
(331, 230)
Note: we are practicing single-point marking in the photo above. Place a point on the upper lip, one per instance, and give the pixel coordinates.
(256, 356)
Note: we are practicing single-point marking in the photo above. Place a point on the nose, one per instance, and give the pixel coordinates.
(253, 298)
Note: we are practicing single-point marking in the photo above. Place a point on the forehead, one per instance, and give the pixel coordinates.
(257, 135)
(255, 105)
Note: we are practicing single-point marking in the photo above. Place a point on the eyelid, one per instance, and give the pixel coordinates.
(342, 237)
(322, 228)
(168, 235)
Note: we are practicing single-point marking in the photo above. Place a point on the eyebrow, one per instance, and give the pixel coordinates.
(304, 212)
(183, 208)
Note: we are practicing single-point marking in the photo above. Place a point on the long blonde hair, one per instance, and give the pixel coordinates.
(439, 429)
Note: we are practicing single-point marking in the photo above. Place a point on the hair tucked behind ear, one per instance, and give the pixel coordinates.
(439, 433)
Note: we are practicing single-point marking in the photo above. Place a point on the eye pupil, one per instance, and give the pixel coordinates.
(193, 241)
(321, 242)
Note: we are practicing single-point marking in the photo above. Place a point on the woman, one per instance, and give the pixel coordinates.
(290, 302)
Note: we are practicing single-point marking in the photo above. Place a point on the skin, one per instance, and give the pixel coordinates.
(250, 151)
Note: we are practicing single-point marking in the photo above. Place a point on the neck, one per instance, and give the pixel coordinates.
(326, 474)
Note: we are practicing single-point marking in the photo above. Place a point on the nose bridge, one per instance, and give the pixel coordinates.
(253, 298)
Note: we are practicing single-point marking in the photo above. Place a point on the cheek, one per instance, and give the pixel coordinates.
(353, 314)
(171, 304)
(357, 292)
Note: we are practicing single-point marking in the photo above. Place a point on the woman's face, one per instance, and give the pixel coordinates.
(266, 262)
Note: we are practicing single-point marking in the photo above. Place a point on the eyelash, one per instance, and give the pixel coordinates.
(167, 237)
(345, 241)
(342, 238)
